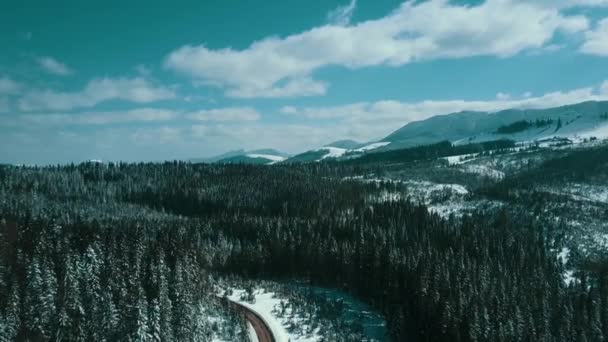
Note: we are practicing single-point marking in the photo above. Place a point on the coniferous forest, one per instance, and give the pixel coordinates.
(104, 252)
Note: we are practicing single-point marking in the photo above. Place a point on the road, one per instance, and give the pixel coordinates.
(261, 328)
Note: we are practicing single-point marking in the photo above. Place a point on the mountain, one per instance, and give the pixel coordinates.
(214, 159)
(269, 151)
(345, 144)
(345, 149)
(580, 119)
(261, 156)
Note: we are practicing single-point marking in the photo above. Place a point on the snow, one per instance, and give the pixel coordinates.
(387, 196)
(372, 146)
(274, 158)
(263, 306)
(281, 316)
(601, 240)
(484, 171)
(253, 337)
(333, 152)
(460, 159)
(564, 255)
(581, 192)
(569, 277)
(430, 187)
(445, 210)
(600, 132)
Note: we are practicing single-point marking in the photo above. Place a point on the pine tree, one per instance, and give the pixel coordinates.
(41, 298)
(154, 329)
(142, 333)
(10, 324)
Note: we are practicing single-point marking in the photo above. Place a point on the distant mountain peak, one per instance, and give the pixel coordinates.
(345, 144)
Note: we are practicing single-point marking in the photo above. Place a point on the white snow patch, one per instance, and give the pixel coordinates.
(569, 277)
(600, 132)
(253, 336)
(581, 192)
(601, 240)
(372, 146)
(484, 171)
(387, 196)
(446, 209)
(564, 255)
(267, 156)
(333, 152)
(264, 303)
(430, 187)
(460, 159)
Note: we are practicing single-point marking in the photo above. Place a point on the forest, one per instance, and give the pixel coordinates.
(122, 251)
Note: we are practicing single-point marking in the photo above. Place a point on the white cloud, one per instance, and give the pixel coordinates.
(288, 110)
(4, 105)
(596, 40)
(53, 66)
(304, 86)
(100, 118)
(225, 114)
(342, 14)
(137, 90)
(570, 3)
(142, 70)
(411, 33)
(502, 96)
(604, 88)
(156, 135)
(8, 86)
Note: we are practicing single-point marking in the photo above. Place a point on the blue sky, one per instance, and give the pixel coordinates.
(151, 80)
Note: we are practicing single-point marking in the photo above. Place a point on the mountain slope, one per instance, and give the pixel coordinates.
(261, 156)
(464, 127)
(345, 149)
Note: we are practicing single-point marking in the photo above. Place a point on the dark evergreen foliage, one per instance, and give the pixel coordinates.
(522, 125)
(123, 251)
(426, 152)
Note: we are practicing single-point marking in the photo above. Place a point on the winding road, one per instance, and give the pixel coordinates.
(261, 328)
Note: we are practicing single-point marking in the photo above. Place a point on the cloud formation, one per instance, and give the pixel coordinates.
(138, 90)
(225, 114)
(342, 14)
(100, 118)
(283, 67)
(596, 40)
(8, 89)
(53, 66)
(8, 86)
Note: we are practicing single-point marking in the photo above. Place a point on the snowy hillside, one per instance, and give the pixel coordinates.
(333, 152)
(263, 157)
(582, 120)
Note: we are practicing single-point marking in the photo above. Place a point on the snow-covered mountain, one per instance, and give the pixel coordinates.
(262, 156)
(332, 151)
(575, 122)
(584, 119)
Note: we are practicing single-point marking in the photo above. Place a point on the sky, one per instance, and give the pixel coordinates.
(156, 80)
